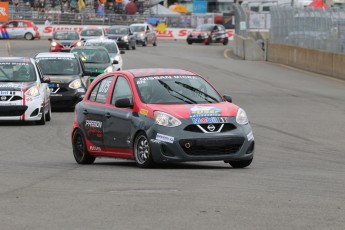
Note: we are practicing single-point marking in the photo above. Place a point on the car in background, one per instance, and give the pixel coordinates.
(144, 34)
(160, 116)
(68, 77)
(64, 40)
(96, 60)
(123, 37)
(19, 29)
(112, 48)
(207, 34)
(92, 32)
(24, 92)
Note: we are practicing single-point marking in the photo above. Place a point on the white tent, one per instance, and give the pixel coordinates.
(161, 10)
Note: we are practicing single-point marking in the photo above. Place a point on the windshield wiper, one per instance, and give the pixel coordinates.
(197, 91)
(170, 90)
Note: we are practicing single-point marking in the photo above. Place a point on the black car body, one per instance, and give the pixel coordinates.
(123, 37)
(68, 78)
(160, 115)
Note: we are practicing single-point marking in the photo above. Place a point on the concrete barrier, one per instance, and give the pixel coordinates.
(318, 61)
(247, 49)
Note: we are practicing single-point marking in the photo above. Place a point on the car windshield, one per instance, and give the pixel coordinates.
(66, 35)
(118, 30)
(58, 65)
(205, 28)
(178, 89)
(138, 28)
(93, 55)
(110, 46)
(17, 72)
(91, 32)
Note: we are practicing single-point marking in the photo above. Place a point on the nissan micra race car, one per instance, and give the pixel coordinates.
(24, 93)
(160, 115)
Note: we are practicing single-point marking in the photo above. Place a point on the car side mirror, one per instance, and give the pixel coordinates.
(124, 103)
(122, 52)
(115, 62)
(45, 80)
(227, 98)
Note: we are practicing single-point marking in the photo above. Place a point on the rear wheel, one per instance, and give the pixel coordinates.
(29, 36)
(240, 164)
(155, 43)
(226, 41)
(142, 151)
(189, 42)
(81, 155)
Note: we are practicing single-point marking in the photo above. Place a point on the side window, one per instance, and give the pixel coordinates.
(121, 90)
(100, 91)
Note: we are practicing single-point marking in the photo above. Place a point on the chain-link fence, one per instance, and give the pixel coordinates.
(309, 28)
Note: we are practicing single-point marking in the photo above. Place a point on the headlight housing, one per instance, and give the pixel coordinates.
(75, 84)
(241, 117)
(109, 69)
(53, 44)
(165, 119)
(125, 38)
(117, 58)
(142, 34)
(33, 91)
(79, 44)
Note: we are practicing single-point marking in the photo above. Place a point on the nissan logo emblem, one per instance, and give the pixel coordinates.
(211, 128)
(3, 98)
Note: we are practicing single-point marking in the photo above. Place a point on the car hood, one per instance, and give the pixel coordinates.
(116, 36)
(66, 41)
(224, 109)
(196, 33)
(16, 86)
(59, 79)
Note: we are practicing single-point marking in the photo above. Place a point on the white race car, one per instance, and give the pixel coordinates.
(24, 93)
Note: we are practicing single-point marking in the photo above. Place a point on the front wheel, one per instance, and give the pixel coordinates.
(142, 151)
(145, 43)
(29, 36)
(42, 121)
(226, 41)
(155, 43)
(81, 155)
(240, 164)
(49, 114)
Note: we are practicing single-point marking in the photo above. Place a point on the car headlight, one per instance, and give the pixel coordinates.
(142, 35)
(109, 69)
(241, 117)
(79, 44)
(117, 58)
(75, 84)
(53, 44)
(33, 92)
(125, 38)
(165, 119)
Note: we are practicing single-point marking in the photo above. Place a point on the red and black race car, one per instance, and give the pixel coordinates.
(208, 33)
(64, 41)
(160, 115)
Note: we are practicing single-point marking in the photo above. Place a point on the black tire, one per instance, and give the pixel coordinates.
(43, 118)
(29, 36)
(209, 40)
(189, 42)
(226, 41)
(142, 154)
(240, 164)
(80, 153)
(133, 47)
(49, 114)
(155, 43)
(127, 48)
(145, 43)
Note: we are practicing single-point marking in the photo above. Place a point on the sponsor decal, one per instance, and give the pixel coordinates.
(3, 98)
(7, 93)
(165, 138)
(54, 58)
(94, 129)
(143, 112)
(142, 80)
(12, 85)
(95, 148)
(93, 124)
(4, 7)
(205, 111)
(250, 136)
(206, 120)
(155, 141)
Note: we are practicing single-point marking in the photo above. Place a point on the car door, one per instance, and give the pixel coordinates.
(93, 112)
(11, 29)
(118, 123)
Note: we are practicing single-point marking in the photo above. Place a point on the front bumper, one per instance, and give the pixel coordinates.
(122, 44)
(198, 39)
(66, 99)
(18, 111)
(179, 145)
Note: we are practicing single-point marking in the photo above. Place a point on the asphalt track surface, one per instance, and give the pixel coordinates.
(296, 181)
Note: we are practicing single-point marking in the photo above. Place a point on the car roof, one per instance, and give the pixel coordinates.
(104, 40)
(89, 48)
(93, 28)
(15, 59)
(139, 24)
(121, 26)
(55, 54)
(66, 31)
(145, 72)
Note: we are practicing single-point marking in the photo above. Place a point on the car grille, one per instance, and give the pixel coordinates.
(212, 146)
(12, 110)
(201, 128)
(66, 44)
(10, 98)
